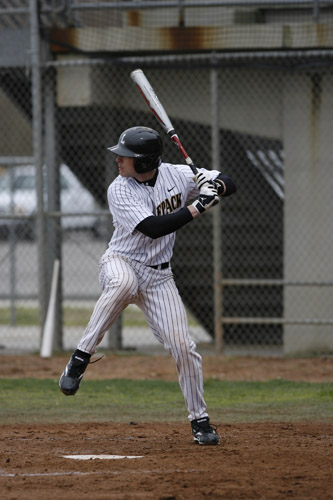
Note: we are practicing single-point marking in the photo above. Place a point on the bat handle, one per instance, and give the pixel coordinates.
(191, 165)
(172, 134)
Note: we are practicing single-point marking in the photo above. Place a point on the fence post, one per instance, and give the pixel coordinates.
(53, 187)
(217, 234)
(37, 152)
(316, 11)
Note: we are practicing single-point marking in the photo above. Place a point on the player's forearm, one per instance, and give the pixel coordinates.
(193, 211)
(223, 183)
(227, 185)
(161, 225)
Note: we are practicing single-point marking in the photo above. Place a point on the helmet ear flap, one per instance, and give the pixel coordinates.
(146, 164)
(140, 165)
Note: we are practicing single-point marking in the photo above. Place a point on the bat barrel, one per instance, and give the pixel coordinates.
(152, 101)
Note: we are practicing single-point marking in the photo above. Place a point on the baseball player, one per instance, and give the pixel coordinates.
(149, 203)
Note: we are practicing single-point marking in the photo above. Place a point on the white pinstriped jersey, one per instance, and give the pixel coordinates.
(131, 202)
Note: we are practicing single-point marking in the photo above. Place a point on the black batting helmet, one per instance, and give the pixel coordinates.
(143, 144)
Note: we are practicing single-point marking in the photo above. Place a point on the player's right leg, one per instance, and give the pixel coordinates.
(119, 284)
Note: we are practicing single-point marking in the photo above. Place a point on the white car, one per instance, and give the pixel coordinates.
(18, 196)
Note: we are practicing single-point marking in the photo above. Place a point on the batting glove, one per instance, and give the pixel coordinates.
(201, 179)
(207, 199)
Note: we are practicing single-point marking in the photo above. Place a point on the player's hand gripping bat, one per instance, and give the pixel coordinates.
(157, 109)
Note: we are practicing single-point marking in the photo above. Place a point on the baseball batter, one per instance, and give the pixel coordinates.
(149, 203)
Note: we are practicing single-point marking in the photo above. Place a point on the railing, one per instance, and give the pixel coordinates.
(158, 4)
(225, 320)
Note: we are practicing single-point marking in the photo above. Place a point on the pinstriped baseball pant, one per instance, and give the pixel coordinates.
(154, 291)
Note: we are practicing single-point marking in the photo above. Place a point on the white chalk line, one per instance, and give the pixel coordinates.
(38, 474)
(110, 473)
(100, 457)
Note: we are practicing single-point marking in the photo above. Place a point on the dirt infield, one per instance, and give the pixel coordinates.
(317, 369)
(254, 461)
(266, 461)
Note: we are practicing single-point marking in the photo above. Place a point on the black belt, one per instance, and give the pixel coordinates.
(165, 265)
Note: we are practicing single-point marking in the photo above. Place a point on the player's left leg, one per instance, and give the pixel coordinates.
(167, 318)
(165, 312)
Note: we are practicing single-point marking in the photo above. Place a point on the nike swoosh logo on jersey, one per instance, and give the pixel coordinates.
(173, 187)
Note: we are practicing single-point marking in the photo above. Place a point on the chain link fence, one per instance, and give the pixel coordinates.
(255, 273)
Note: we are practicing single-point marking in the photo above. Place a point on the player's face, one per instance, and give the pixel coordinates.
(126, 166)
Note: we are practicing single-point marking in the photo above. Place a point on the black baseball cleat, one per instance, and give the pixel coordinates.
(204, 432)
(70, 380)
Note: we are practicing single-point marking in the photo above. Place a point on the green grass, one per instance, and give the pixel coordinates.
(74, 316)
(29, 316)
(34, 400)
(24, 316)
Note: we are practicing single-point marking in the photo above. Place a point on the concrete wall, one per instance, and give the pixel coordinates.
(15, 130)
(308, 142)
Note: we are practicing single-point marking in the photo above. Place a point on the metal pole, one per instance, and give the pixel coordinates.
(37, 152)
(217, 234)
(315, 11)
(53, 228)
(12, 246)
(155, 4)
(173, 60)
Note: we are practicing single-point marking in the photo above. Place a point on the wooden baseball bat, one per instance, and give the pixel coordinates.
(159, 112)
